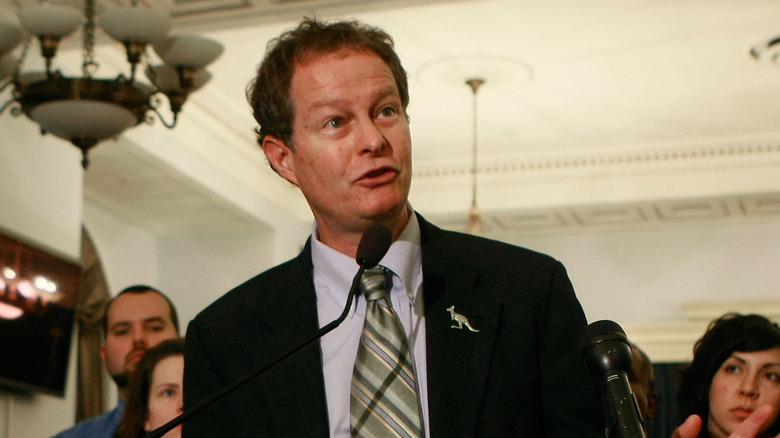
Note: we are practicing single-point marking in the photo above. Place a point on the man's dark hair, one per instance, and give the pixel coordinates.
(269, 92)
(725, 335)
(139, 289)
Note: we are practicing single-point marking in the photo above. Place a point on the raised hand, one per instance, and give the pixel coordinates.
(747, 429)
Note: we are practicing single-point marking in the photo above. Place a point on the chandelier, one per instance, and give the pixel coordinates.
(87, 109)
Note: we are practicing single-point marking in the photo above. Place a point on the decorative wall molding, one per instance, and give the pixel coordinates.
(602, 160)
(652, 213)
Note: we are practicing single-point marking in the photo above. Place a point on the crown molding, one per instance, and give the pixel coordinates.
(672, 341)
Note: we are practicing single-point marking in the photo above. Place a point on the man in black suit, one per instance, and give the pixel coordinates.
(492, 328)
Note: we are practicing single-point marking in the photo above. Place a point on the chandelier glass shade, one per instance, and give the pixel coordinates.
(86, 109)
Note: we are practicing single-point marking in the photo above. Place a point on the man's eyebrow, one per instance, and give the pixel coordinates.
(118, 324)
(149, 320)
(155, 319)
(326, 102)
(387, 91)
(337, 100)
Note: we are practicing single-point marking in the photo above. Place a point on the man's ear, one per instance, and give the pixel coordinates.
(103, 352)
(281, 157)
(652, 403)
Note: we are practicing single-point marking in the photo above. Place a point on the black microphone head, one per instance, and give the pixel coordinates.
(373, 245)
(605, 348)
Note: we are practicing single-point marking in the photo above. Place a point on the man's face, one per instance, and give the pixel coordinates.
(352, 157)
(135, 323)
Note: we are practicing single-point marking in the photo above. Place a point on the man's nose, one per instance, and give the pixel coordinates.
(139, 337)
(371, 139)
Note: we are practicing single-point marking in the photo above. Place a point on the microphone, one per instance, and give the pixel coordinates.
(373, 246)
(607, 355)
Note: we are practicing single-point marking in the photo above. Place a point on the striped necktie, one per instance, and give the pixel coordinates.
(383, 400)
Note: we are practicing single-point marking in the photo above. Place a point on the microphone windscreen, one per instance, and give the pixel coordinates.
(605, 347)
(600, 330)
(373, 245)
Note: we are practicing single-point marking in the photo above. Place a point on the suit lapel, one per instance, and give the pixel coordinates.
(458, 359)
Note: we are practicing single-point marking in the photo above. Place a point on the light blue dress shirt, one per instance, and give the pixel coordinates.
(333, 274)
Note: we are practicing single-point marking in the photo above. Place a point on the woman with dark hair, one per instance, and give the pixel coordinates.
(155, 391)
(734, 376)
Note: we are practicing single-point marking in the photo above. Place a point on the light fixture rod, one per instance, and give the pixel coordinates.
(474, 84)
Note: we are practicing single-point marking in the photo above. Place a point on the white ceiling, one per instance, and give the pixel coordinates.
(593, 112)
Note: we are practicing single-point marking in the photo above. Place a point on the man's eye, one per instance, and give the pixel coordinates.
(335, 123)
(388, 111)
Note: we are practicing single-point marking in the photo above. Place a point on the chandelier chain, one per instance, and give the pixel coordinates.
(89, 65)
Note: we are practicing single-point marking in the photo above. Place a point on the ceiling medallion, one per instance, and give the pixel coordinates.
(504, 73)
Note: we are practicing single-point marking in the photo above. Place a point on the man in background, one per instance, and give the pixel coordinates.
(137, 319)
(642, 380)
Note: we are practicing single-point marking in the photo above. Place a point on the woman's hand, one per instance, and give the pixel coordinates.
(747, 429)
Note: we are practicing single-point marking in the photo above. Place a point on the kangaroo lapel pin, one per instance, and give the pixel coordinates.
(460, 320)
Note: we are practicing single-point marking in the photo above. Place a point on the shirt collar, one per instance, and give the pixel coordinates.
(403, 258)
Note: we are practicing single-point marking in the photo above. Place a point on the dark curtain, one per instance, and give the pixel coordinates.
(90, 306)
(666, 380)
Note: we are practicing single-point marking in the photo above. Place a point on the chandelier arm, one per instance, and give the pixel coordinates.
(8, 103)
(168, 125)
(5, 83)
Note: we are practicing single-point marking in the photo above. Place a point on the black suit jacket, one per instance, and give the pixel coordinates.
(520, 375)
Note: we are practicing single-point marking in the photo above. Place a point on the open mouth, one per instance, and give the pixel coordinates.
(376, 173)
(378, 176)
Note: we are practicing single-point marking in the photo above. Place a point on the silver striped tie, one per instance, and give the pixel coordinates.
(383, 401)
